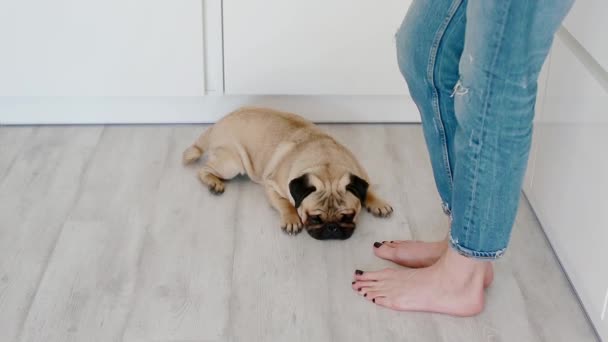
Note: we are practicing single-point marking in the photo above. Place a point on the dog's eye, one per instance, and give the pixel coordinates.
(315, 219)
(347, 218)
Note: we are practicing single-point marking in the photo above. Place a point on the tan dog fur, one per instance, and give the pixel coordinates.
(273, 148)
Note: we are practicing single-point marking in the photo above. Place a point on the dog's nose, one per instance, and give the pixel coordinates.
(332, 228)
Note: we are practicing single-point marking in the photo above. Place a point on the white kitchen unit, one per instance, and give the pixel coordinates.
(159, 61)
(587, 23)
(67, 48)
(312, 47)
(567, 182)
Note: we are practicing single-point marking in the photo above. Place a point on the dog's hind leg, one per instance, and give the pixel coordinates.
(194, 152)
(222, 164)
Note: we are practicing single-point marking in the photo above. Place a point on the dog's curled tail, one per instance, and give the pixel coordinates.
(194, 152)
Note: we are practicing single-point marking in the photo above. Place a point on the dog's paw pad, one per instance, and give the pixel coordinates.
(380, 210)
(215, 185)
(217, 189)
(291, 225)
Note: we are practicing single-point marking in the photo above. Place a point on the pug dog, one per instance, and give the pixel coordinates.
(313, 181)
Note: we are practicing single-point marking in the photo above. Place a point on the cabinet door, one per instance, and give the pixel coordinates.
(337, 47)
(101, 48)
(587, 23)
(568, 190)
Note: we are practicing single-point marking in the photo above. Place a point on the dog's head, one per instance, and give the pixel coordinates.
(328, 208)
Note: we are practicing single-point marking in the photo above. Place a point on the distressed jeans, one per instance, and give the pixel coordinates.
(472, 68)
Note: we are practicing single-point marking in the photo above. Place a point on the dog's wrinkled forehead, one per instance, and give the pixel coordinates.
(329, 201)
(329, 186)
(328, 194)
(335, 190)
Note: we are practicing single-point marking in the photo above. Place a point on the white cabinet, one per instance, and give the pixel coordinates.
(587, 23)
(101, 48)
(568, 185)
(343, 47)
(151, 61)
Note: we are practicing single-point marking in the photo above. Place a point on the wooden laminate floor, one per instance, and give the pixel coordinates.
(105, 236)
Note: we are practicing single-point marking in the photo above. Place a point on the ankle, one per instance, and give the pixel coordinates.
(462, 270)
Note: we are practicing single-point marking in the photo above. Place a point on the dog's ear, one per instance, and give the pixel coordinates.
(358, 187)
(300, 188)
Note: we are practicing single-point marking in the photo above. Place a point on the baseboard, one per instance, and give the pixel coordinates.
(204, 109)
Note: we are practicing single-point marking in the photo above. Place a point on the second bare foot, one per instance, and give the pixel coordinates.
(453, 285)
(410, 253)
(419, 254)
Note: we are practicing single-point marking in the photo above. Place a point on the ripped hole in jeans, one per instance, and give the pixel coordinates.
(459, 89)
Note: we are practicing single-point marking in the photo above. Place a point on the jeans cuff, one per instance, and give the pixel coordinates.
(469, 253)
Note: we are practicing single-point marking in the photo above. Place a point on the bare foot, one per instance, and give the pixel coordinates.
(454, 285)
(411, 253)
(418, 254)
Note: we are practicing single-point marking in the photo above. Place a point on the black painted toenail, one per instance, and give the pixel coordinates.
(365, 295)
(353, 282)
(377, 244)
(358, 272)
(392, 241)
(374, 300)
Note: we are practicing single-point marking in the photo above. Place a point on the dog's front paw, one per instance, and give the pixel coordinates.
(379, 208)
(291, 224)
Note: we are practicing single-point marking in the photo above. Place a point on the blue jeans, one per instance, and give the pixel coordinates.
(472, 68)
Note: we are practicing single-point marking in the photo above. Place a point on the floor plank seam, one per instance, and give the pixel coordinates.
(228, 328)
(17, 155)
(83, 174)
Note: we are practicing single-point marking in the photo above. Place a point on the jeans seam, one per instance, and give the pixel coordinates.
(431, 78)
(486, 106)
